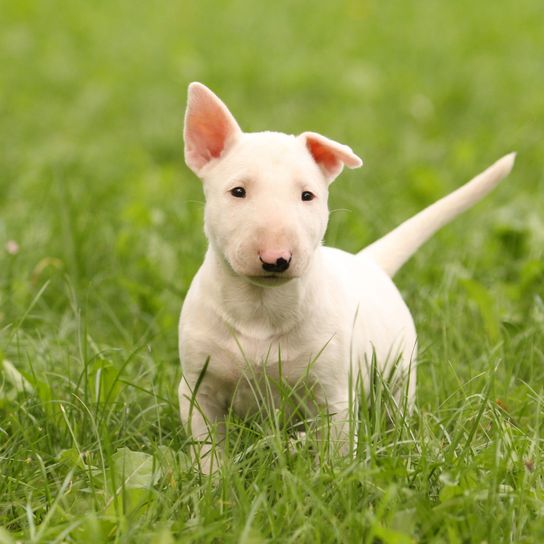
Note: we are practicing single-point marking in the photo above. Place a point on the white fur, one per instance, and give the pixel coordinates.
(319, 322)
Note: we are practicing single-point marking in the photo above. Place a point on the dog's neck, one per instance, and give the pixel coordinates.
(255, 311)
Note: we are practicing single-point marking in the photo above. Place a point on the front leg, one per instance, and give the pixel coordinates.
(204, 420)
(341, 435)
(338, 431)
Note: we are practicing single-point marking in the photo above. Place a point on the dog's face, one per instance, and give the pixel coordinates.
(266, 193)
(266, 200)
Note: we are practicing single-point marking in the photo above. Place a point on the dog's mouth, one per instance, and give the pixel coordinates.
(270, 280)
(257, 275)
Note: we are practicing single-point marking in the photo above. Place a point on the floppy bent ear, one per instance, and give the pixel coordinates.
(210, 128)
(329, 155)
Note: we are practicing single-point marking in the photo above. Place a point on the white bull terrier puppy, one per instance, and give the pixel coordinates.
(269, 299)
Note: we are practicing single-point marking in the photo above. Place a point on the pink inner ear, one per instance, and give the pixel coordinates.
(330, 155)
(208, 135)
(324, 156)
(209, 127)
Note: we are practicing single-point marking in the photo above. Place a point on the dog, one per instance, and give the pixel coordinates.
(269, 298)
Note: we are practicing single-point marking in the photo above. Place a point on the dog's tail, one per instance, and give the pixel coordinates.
(395, 248)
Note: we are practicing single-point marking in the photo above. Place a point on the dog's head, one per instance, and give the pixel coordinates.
(266, 192)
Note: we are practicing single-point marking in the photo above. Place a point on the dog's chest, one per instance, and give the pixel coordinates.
(246, 370)
(288, 355)
(277, 372)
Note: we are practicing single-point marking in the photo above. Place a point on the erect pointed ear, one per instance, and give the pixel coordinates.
(329, 155)
(210, 128)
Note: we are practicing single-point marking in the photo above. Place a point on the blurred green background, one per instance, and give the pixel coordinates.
(107, 218)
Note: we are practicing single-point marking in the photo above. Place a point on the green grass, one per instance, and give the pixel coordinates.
(108, 222)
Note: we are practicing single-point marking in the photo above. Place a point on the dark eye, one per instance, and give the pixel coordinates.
(306, 195)
(238, 192)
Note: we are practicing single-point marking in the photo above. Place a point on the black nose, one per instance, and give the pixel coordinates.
(281, 265)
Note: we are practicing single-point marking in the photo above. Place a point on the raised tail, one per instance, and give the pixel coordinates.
(395, 248)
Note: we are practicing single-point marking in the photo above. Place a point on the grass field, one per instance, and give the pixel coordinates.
(100, 235)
